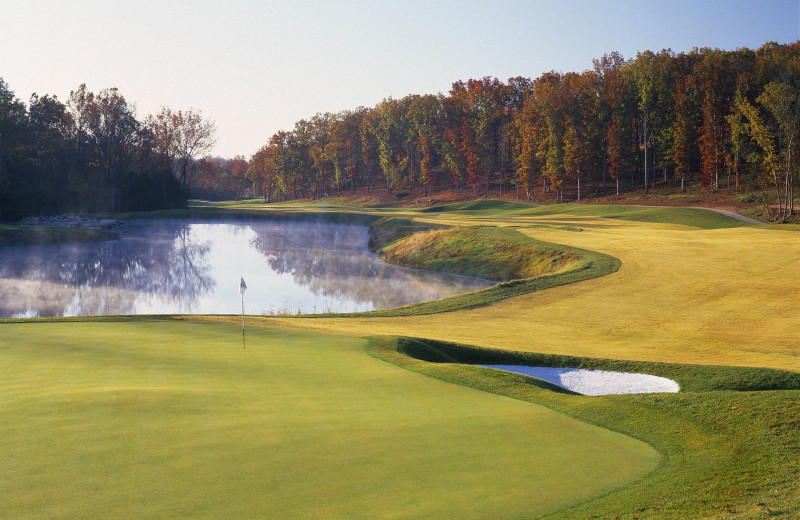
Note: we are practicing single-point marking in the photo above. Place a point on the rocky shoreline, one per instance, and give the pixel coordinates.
(74, 221)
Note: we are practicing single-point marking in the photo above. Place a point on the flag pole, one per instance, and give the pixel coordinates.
(242, 289)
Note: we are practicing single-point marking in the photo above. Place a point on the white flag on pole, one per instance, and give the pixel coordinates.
(242, 286)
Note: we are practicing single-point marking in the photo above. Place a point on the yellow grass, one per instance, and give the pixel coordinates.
(725, 297)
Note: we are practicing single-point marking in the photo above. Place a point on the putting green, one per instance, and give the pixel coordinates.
(146, 419)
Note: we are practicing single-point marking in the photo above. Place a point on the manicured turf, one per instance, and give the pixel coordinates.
(682, 294)
(152, 419)
(728, 453)
(666, 285)
(693, 217)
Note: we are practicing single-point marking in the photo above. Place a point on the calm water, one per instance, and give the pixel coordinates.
(191, 267)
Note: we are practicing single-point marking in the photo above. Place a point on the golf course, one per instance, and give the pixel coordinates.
(384, 414)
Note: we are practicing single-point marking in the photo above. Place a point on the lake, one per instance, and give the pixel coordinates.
(178, 266)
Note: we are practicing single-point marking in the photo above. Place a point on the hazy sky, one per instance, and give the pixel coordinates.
(256, 67)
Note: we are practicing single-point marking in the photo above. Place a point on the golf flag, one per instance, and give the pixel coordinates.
(242, 289)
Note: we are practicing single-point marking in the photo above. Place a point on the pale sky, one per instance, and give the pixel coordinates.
(256, 67)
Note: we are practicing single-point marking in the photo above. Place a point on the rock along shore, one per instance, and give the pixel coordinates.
(74, 221)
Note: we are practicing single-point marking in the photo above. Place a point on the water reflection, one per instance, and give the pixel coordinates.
(177, 266)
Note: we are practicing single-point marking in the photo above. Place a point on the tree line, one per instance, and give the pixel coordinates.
(726, 119)
(92, 154)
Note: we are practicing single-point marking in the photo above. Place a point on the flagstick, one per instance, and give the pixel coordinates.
(242, 289)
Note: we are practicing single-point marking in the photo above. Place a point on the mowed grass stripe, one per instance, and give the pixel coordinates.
(144, 419)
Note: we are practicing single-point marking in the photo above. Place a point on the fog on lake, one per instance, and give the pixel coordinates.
(174, 266)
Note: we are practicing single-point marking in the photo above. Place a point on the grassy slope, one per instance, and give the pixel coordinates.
(151, 419)
(485, 252)
(505, 244)
(728, 453)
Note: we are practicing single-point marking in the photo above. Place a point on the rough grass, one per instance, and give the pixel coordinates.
(584, 265)
(386, 230)
(727, 454)
(487, 252)
(173, 419)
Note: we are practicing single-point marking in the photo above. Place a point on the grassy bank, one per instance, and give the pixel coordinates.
(728, 452)
(14, 235)
(498, 254)
(692, 378)
(589, 265)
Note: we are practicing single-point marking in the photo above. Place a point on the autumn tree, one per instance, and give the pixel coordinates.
(184, 136)
(715, 86)
(581, 131)
(610, 68)
(346, 146)
(425, 115)
(528, 129)
(686, 119)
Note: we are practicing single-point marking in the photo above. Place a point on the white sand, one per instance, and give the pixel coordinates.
(595, 382)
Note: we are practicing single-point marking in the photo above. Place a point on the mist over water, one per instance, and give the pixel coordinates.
(176, 266)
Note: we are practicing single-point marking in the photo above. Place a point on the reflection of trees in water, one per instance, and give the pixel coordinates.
(164, 265)
(332, 261)
(105, 278)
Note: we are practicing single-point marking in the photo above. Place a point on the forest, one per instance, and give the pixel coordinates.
(726, 119)
(92, 154)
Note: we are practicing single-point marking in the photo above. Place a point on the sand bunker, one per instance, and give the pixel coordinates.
(595, 382)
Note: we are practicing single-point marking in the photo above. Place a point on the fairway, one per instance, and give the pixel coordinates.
(151, 419)
(683, 294)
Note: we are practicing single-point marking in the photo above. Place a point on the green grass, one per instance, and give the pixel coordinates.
(13, 235)
(691, 293)
(492, 253)
(728, 453)
(172, 418)
(386, 230)
(692, 378)
(694, 217)
(483, 206)
(584, 265)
